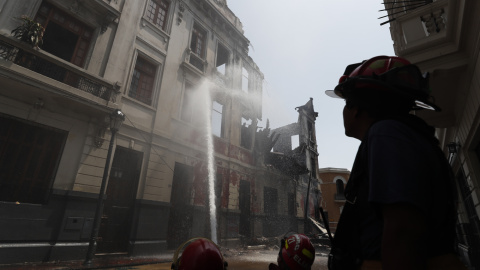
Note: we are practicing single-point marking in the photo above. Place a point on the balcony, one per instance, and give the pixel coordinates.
(432, 28)
(194, 62)
(82, 84)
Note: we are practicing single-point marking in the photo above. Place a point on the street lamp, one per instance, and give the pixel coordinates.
(116, 119)
(453, 148)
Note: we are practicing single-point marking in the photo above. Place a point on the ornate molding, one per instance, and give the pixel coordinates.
(181, 9)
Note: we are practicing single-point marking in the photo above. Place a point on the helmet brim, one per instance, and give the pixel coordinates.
(419, 103)
(331, 93)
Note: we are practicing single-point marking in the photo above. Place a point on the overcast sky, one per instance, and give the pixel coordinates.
(302, 47)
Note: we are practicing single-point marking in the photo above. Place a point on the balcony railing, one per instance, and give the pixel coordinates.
(50, 66)
(423, 27)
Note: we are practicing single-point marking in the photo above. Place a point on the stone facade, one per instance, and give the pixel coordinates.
(172, 67)
(441, 37)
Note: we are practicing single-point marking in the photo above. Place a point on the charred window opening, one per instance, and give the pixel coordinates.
(29, 157)
(157, 13)
(217, 119)
(270, 198)
(313, 167)
(246, 133)
(295, 141)
(245, 79)
(65, 36)
(143, 78)
(222, 59)
(291, 204)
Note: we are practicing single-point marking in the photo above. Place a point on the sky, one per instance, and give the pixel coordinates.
(302, 47)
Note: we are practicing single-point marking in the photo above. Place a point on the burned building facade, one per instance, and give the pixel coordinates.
(180, 73)
(295, 154)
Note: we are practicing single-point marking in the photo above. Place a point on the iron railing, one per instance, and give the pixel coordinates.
(50, 66)
(197, 62)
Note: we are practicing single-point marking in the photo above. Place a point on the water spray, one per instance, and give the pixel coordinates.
(205, 89)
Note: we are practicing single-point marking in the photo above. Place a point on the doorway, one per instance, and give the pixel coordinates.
(181, 211)
(121, 193)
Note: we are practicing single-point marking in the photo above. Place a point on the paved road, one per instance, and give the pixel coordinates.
(251, 260)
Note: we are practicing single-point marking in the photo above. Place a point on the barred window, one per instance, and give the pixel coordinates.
(157, 12)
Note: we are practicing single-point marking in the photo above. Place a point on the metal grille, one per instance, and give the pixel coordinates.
(196, 62)
(54, 71)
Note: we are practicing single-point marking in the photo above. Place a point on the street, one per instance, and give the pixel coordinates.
(259, 259)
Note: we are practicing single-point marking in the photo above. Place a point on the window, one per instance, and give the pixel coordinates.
(222, 59)
(244, 79)
(340, 190)
(65, 36)
(29, 156)
(291, 204)
(217, 119)
(188, 104)
(246, 133)
(197, 45)
(270, 198)
(141, 87)
(295, 141)
(157, 11)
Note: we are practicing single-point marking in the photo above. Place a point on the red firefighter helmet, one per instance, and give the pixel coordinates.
(296, 251)
(198, 254)
(386, 73)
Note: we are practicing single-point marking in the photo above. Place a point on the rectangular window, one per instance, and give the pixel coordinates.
(217, 119)
(245, 80)
(222, 59)
(246, 133)
(270, 200)
(188, 104)
(29, 157)
(143, 78)
(197, 45)
(295, 141)
(291, 204)
(157, 12)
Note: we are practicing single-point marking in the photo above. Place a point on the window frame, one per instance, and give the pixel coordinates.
(197, 30)
(220, 47)
(245, 78)
(222, 119)
(85, 33)
(156, 66)
(156, 12)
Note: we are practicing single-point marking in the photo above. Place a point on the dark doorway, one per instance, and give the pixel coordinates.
(59, 41)
(244, 203)
(121, 192)
(29, 158)
(181, 211)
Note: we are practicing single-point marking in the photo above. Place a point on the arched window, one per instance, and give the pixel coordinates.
(340, 190)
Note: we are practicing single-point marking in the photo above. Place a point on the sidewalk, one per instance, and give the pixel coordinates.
(103, 262)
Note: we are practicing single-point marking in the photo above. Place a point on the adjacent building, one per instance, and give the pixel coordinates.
(180, 72)
(333, 182)
(442, 38)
